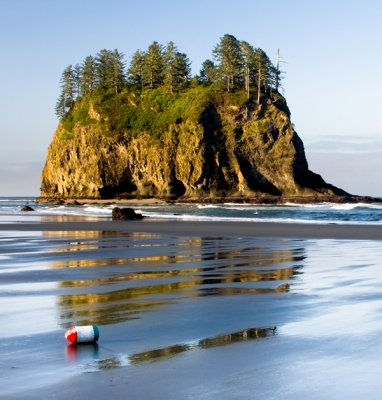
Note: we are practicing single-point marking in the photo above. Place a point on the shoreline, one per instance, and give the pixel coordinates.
(204, 228)
(82, 201)
(261, 200)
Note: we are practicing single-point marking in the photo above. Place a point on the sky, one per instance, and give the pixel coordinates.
(331, 51)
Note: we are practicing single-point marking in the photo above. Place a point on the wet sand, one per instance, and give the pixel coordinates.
(197, 228)
(190, 310)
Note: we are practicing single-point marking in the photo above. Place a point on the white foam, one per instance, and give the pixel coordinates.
(90, 211)
(336, 206)
(188, 217)
(98, 210)
(252, 209)
(345, 207)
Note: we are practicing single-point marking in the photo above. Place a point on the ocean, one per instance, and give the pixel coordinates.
(320, 213)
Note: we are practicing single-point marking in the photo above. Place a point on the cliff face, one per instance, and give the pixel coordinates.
(228, 150)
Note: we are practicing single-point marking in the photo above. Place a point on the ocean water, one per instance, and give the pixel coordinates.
(310, 213)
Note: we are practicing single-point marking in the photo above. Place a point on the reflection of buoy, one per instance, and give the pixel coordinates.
(82, 351)
(82, 334)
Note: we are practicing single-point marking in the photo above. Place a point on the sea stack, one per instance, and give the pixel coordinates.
(225, 133)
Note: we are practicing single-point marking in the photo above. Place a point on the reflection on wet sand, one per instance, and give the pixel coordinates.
(91, 240)
(74, 352)
(108, 262)
(67, 218)
(119, 306)
(154, 270)
(171, 351)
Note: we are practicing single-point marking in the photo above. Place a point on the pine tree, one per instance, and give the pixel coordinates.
(118, 68)
(68, 85)
(182, 70)
(104, 68)
(228, 55)
(77, 78)
(248, 55)
(176, 68)
(136, 68)
(109, 67)
(60, 108)
(67, 95)
(263, 70)
(88, 80)
(169, 72)
(208, 72)
(153, 66)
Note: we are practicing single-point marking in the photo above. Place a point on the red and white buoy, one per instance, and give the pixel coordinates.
(82, 334)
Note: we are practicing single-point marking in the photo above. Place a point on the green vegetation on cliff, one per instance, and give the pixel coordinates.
(130, 113)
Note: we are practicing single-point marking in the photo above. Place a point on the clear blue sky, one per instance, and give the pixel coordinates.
(332, 50)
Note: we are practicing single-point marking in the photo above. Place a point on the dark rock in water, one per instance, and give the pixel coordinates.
(125, 214)
(27, 208)
(72, 203)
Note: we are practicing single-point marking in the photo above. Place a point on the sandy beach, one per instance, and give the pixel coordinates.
(190, 310)
(199, 228)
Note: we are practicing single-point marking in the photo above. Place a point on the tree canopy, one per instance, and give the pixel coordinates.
(236, 65)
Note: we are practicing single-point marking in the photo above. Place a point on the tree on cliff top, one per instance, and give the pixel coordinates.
(208, 73)
(88, 78)
(68, 89)
(110, 69)
(229, 57)
(153, 66)
(249, 66)
(176, 68)
(237, 66)
(263, 68)
(135, 71)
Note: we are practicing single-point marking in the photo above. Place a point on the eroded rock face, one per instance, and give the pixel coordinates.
(229, 151)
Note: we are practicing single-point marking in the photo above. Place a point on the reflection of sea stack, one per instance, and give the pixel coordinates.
(141, 273)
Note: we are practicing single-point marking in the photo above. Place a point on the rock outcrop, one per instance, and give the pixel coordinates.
(229, 150)
(26, 208)
(125, 214)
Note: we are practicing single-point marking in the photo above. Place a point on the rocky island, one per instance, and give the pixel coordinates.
(225, 134)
